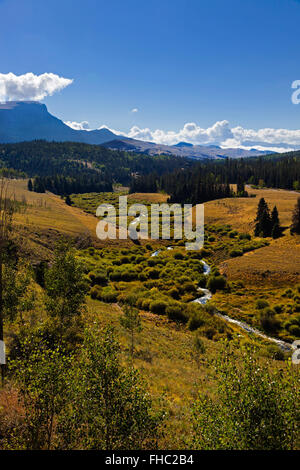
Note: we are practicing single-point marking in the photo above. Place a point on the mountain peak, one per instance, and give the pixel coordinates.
(30, 120)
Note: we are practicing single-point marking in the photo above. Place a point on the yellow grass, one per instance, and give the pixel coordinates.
(240, 212)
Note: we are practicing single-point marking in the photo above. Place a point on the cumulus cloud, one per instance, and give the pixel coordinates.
(134, 110)
(30, 86)
(221, 134)
(78, 126)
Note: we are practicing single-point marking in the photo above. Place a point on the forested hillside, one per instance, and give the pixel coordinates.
(210, 180)
(41, 158)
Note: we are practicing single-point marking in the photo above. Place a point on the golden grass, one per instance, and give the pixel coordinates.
(151, 198)
(277, 263)
(241, 212)
(47, 211)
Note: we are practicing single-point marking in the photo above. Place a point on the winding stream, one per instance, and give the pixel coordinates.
(207, 295)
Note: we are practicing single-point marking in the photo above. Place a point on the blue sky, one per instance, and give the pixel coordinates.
(177, 62)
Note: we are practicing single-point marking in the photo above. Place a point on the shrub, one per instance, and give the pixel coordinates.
(202, 280)
(261, 304)
(153, 273)
(158, 307)
(174, 293)
(176, 313)
(189, 287)
(268, 321)
(129, 276)
(295, 330)
(216, 283)
(152, 262)
(98, 277)
(233, 234)
(146, 304)
(244, 236)
(235, 252)
(95, 292)
(278, 308)
(108, 295)
(196, 320)
(288, 293)
(275, 352)
(209, 332)
(179, 256)
(142, 276)
(115, 275)
(255, 406)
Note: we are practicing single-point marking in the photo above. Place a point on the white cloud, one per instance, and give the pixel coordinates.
(220, 133)
(78, 126)
(134, 110)
(30, 86)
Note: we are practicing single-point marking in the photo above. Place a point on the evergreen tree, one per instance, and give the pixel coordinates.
(275, 223)
(240, 190)
(295, 227)
(263, 225)
(68, 200)
(29, 185)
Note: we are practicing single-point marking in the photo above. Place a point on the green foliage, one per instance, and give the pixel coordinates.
(274, 352)
(197, 319)
(158, 307)
(295, 330)
(198, 348)
(65, 286)
(86, 402)
(111, 408)
(261, 304)
(176, 313)
(43, 377)
(268, 320)
(295, 227)
(215, 283)
(131, 321)
(256, 407)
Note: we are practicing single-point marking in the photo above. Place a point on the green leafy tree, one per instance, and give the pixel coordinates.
(255, 407)
(64, 285)
(111, 408)
(131, 321)
(43, 379)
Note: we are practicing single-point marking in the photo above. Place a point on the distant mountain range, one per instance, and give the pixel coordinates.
(189, 151)
(30, 120)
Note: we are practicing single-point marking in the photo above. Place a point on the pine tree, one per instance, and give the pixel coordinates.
(30, 185)
(68, 200)
(295, 227)
(275, 223)
(263, 225)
